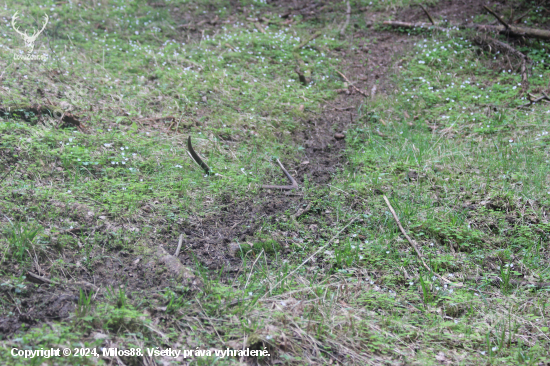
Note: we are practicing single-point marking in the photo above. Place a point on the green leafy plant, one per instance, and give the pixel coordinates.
(84, 305)
(427, 296)
(21, 237)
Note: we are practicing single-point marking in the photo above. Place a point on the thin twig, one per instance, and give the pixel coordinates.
(427, 14)
(350, 83)
(179, 246)
(306, 41)
(521, 16)
(501, 21)
(251, 269)
(346, 23)
(259, 27)
(311, 256)
(340, 109)
(411, 242)
(60, 121)
(395, 23)
(498, 45)
(210, 320)
(34, 278)
(290, 178)
(533, 101)
(300, 212)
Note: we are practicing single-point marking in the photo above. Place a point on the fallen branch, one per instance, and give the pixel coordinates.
(179, 246)
(522, 16)
(506, 48)
(512, 30)
(196, 157)
(294, 183)
(353, 86)
(492, 43)
(34, 278)
(259, 27)
(411, 242)
(500, 20)
(398, 24)
(230, 47)
(533, 100)
(340, 109)
(346, 23)
(301, 211)
(427, 14)
(306, 41)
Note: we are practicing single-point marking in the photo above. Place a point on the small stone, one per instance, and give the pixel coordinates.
(339, 136)
(98, 336)
(234, 249)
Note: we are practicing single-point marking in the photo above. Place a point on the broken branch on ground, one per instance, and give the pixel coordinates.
(351, 84)
(511, 31)
(290, 178)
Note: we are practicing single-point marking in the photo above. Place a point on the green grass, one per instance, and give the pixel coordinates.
(463, 166)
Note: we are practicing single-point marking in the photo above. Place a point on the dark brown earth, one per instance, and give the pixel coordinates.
(211, 239)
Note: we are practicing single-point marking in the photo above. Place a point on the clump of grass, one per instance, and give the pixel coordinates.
(21, 238)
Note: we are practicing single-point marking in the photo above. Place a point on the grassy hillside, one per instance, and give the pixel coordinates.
(98, 191)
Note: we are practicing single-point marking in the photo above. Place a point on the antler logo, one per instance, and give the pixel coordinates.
(29, 40)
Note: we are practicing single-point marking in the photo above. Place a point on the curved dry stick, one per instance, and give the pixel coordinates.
(412, 242)
(427, 14)
(350, 83)
(196, 157)
(348, 13)
(505, 47)
(500, 20)
(294, 183)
